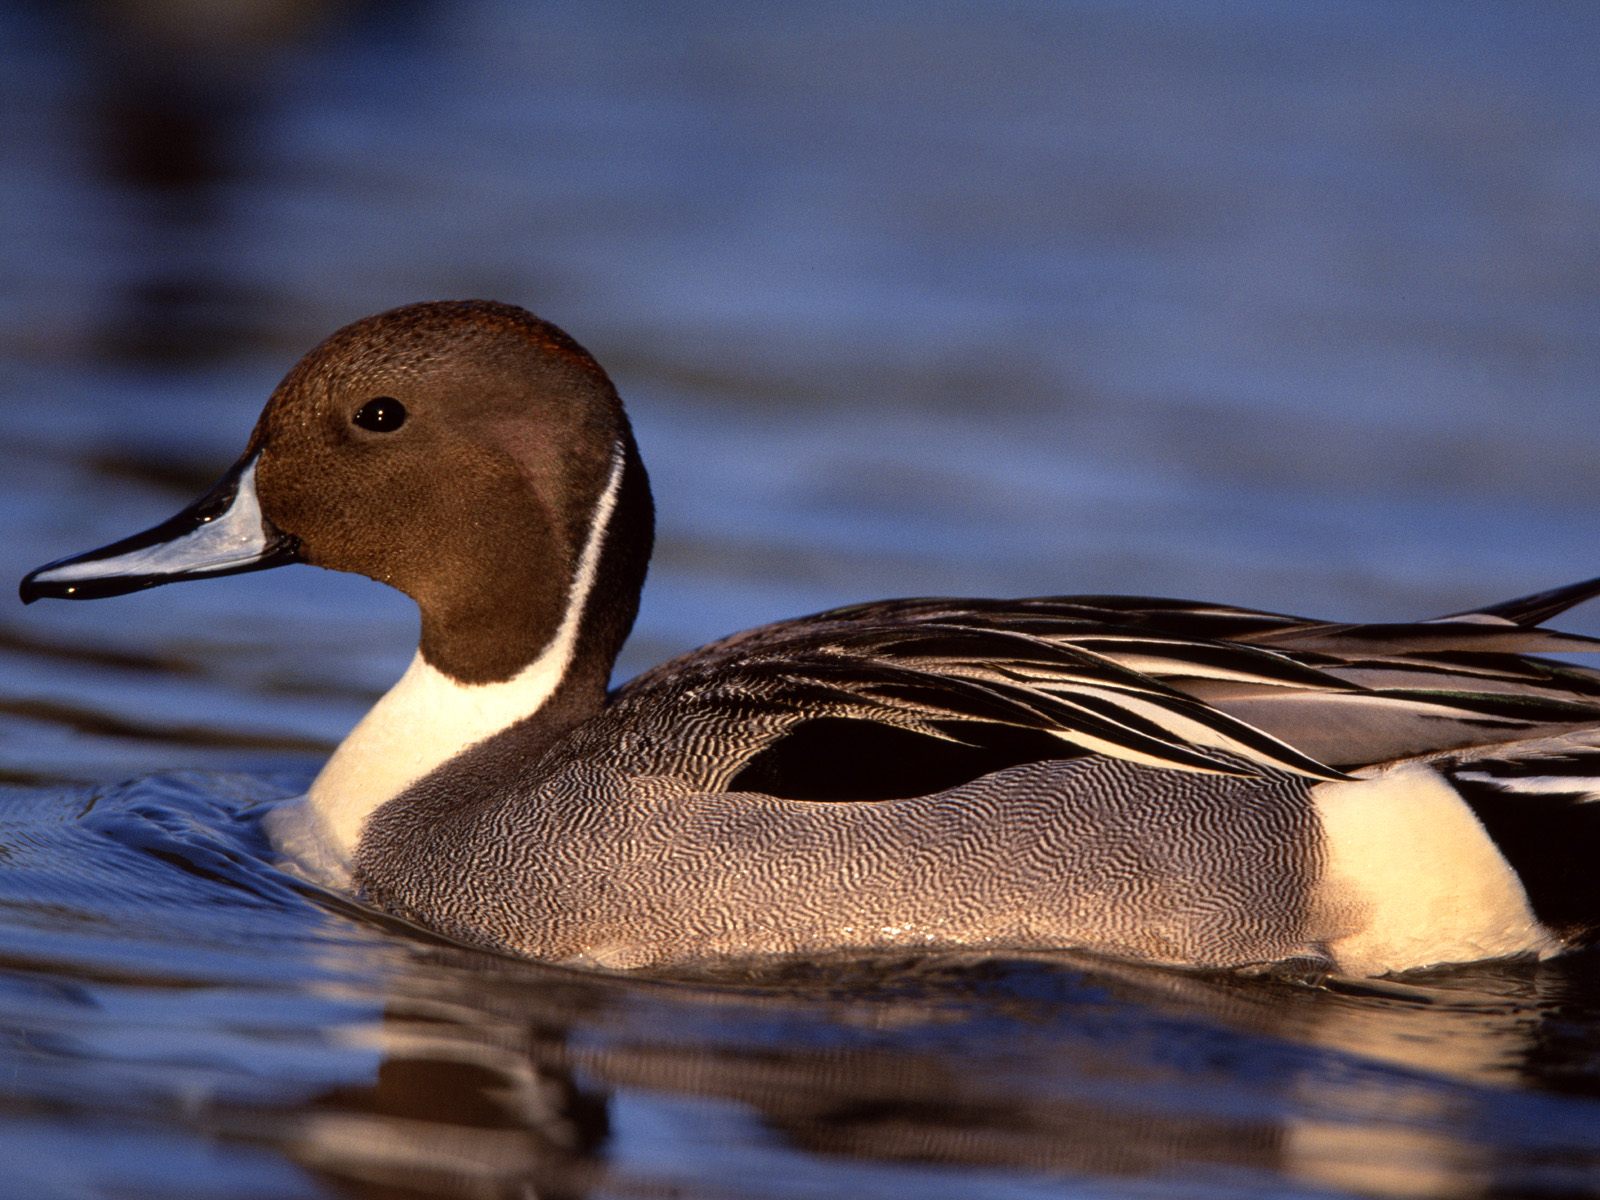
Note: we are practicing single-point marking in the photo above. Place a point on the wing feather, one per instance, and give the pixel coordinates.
(1196, 687)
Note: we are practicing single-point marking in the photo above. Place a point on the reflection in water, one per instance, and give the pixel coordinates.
(503, 1075)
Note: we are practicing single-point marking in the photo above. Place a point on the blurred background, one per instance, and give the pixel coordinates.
(1285, 304)
(1279, 304)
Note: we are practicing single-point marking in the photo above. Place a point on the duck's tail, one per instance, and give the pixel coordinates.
(1539, 802)
(1536, 609)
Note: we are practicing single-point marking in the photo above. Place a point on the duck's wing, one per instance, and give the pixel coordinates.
(868, 709)
(1410, 688)
(976, 685)
(1454, 682)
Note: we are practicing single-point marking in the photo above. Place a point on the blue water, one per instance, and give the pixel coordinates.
(1271, 303)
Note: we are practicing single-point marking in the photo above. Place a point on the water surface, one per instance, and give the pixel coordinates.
(1269, 303)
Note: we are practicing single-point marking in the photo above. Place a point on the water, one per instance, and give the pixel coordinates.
(182, 1019)
(1267, 303)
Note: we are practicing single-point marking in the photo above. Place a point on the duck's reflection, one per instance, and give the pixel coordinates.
(503, 1078)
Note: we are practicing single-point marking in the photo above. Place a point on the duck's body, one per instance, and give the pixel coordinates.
(1182, 783)
(736, 802)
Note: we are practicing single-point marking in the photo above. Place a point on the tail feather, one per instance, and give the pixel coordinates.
(1537, 608)
(1540, 803)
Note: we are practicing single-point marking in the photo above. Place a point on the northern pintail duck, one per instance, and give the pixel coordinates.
(1170, 781)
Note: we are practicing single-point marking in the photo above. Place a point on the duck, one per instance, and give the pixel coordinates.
(1180, 783)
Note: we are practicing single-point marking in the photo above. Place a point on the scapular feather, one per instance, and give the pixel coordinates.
(968, 684)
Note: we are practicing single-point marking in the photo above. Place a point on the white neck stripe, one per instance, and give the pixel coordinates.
(565, 642)
(428, 718)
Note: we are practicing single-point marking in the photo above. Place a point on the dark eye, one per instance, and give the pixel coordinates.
(382, 414)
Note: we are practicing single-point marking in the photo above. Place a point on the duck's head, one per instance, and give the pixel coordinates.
(467, 453)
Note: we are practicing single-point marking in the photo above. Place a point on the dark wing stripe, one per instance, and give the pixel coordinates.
(1067, 707)
(1425, 637)
(1260, 744)
(1508, 668)
(1250, 742)
(1508, 707)
(904, 695)
(897, 693)
(1247, 664)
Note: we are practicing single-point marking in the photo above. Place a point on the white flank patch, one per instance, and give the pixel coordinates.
(231, 539)
(1412, 879)
(425, 720)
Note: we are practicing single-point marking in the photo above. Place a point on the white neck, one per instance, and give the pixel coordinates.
(425, 720)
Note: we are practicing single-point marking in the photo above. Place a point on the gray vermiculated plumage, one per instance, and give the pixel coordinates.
(1089, 852)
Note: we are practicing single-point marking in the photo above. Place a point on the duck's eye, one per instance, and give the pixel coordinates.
(382, 414)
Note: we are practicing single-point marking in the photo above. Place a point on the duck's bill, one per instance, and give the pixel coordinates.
(222, 533)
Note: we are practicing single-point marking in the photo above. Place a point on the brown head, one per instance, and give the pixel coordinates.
(458, 451)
